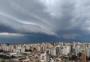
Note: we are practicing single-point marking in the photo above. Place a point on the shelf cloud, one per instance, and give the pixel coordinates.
(51, 17)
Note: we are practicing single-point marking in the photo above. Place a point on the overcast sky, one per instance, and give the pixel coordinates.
(71, 18)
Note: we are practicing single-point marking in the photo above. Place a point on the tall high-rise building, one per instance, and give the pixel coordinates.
(43, 57)
(84, 55)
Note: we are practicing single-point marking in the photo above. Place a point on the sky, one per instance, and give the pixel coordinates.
(67, 19)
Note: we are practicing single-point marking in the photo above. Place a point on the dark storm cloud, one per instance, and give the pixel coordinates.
(46, 16)
(26, 16)
(6, 29)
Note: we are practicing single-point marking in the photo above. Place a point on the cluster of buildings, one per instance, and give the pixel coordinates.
(45, 52)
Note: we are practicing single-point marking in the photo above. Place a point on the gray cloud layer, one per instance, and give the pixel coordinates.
(46, 16)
